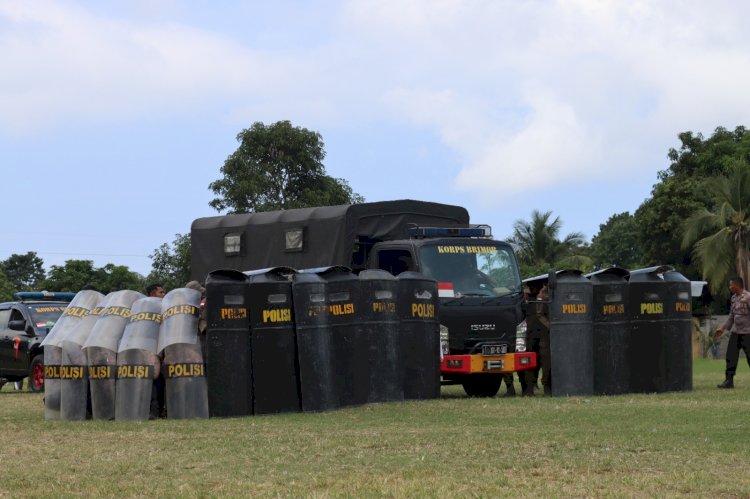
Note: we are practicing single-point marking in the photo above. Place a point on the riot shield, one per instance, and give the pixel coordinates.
(184, 371)
(350, 353)
(101, 351)
(318, 383)
(228, 364)
(417, 307)
(274, 346)
(646, 293)
(74, 381)
(379, 325)
(76, 310)
(611, 331)
(571, 335)
(677, 342)
(137, 363)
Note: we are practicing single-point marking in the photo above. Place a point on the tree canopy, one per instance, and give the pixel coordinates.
(170, 264)
(6, 288)
(23, 272)
(617, 243)
(76, 274)
(540, 249)
(277, 167)
(681, 192)
(720, 237)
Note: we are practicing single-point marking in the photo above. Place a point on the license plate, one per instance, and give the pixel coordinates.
(494, 349)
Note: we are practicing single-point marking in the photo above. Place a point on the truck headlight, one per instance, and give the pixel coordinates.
(521, 336)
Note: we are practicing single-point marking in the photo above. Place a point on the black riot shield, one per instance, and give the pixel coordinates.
(380, 325)
(228, 358)
(350, 353)
(417, 306)
(677, 346)
(611, 331)
(101, 351)
(137, 363)
(571, 335)
(646, 294)
(75, 401)
(274, 345)
(184, 371)
(318, 383)
(79, 307)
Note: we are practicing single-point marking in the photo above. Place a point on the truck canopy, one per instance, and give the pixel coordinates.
(309, 237)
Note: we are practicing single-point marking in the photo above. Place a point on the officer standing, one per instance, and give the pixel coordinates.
(545, 353)
(738, 324)
(158, 401)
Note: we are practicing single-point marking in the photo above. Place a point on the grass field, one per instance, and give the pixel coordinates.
(693, 444)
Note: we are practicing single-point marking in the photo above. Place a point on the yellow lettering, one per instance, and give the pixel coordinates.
(574, 308)
(180, 309)
(682, 307)
(185, 370)
(277, 315)
(652, 308)
(615, 308)
(423, 310)
(233, 313)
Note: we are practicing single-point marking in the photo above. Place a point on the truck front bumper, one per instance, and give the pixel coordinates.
(488, 364)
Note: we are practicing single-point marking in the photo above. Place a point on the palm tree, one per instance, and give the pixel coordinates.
(724, 251)
(537, 242)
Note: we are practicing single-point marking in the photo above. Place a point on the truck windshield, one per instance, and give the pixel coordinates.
(476, 269)
(42, 314)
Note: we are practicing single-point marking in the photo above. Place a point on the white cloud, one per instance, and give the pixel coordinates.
(525, 93)
(64, 64)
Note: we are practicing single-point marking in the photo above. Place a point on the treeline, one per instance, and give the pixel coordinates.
(697, 219)
(25, 272)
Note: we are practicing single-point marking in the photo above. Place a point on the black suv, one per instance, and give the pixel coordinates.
(23, 326)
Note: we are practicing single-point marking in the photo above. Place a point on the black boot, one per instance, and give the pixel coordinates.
(728, 383)
(510, 390)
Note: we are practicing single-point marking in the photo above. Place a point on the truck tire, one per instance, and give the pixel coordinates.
(36, 374)
(482, 385)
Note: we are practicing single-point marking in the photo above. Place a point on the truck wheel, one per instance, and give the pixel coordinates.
(482, 385)
(36, 374)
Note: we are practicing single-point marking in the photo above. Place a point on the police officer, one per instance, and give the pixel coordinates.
(545, 353)
(738, 324)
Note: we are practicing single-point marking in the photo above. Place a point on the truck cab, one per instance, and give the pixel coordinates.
(481, 298)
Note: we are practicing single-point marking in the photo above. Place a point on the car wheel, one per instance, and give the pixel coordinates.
(36, 374)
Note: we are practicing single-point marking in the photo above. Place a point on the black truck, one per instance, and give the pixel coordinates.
(481, 295)
(23, 325)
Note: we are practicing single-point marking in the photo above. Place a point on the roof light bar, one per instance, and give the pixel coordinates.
(473, 231)
(44, 296)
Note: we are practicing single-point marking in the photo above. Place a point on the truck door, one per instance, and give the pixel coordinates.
(14, 344)
(395, 259)
(6, 340)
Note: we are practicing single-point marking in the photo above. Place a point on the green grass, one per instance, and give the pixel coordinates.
(664, 445)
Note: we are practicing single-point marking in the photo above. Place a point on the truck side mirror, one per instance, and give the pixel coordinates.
(17, 325)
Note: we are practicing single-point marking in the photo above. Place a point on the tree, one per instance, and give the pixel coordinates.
(617, 243)
(6, 288)
(720, 237)
(540, 249)
(277, 167)
(76, 274)
(24, 272)
(118, 277)
(170, 265)
(680, 193)
(72, 276)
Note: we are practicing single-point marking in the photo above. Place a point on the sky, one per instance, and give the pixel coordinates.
(115, 116)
